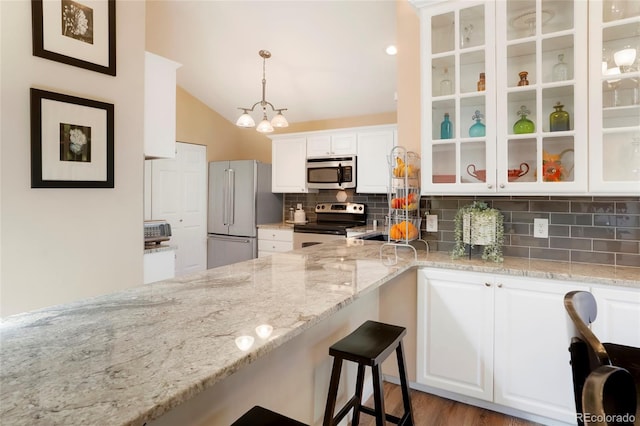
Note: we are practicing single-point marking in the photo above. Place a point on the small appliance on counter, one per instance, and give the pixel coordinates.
(156, 232)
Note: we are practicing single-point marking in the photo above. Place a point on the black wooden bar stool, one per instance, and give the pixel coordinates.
(259, 416)
(369, 345)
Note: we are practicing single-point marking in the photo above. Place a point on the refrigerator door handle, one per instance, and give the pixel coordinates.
(225, 196)
(232, 196)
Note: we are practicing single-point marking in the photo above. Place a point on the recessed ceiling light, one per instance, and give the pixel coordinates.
(391, 50)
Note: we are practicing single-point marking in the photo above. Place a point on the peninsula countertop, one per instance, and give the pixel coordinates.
(133, 355)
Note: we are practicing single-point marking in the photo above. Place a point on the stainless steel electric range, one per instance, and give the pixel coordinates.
(333, 221)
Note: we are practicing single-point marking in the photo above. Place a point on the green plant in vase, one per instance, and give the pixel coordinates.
(477, 224)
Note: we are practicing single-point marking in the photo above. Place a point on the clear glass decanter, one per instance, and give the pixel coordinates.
(477, 129)
(560, 70)
(523, 125)
(445, 84)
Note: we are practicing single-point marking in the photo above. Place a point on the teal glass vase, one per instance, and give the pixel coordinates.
(477, 129)
(445, 128)
(523, 125)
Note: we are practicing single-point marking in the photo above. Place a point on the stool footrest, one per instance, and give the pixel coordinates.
(389, 417)
(343, 412)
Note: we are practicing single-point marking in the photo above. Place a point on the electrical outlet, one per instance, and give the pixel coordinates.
(432, 223)
(541, 228)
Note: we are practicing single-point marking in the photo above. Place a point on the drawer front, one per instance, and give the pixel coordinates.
(279, 246)
(275, 234)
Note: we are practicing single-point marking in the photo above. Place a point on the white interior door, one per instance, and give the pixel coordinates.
(179, 195)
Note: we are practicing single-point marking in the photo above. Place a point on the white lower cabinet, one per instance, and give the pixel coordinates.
(159, 265)
(618, 319)
(272, 241)
(497, 338)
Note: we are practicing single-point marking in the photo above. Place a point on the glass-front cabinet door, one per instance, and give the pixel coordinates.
(614, 92)
(542, 98)
(458, 80)
(504, 98)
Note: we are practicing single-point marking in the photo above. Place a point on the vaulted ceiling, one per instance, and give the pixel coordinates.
(328, 56)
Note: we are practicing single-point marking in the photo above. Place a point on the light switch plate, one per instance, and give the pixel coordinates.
(432, 223)
(540, 228)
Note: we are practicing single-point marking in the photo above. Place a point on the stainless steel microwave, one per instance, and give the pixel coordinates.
(331, 173)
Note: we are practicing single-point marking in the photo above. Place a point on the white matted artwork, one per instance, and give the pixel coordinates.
(76, 32)
(71, 141)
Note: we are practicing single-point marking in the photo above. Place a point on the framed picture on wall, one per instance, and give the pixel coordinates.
(81, 33)
(71, 141)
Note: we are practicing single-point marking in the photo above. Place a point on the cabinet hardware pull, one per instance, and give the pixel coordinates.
(487, 284)
(489, 186)
(502, 185)
(499, 285)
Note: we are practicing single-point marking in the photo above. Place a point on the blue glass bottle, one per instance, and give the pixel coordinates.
(445, 127)
(477, 129)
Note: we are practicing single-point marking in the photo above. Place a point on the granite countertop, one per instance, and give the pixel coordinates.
(133, 355)
(158, 248)
(277, 225)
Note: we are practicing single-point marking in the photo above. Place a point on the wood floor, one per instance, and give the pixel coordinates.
(431, 410)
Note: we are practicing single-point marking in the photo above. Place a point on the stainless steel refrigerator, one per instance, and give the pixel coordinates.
(240, 198)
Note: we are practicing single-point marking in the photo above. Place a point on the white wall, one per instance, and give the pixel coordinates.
(60, 245)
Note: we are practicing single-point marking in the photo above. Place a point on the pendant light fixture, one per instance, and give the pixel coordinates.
(265, 126)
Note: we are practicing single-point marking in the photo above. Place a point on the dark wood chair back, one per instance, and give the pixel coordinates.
(605, 393)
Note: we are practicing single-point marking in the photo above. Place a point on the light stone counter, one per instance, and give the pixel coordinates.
(129, 357)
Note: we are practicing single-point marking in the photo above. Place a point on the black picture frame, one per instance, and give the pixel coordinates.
(72, 141)
(74, 33)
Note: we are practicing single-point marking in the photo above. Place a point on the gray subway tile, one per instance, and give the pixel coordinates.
(628, 207)
(571, 219)
(616, 220)
(628, 260)
(511, 205)
(558, 231)
(592, 207)
(517, 228)
(550, 254)
(516, 251)
(593, 257)
(617, 246)
(628, 234)
(570, 243)
(523, 240)
(592, 232)
(549, 206)
(525, 217)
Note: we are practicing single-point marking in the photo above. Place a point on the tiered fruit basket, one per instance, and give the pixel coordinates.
(404, 196)
(404, 200)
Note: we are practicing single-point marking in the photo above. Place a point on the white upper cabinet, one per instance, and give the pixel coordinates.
(374, 148)
(614, 97)
(371, 145)
(159, 106)
(498, 71)
(331, 145)
(289, 164)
